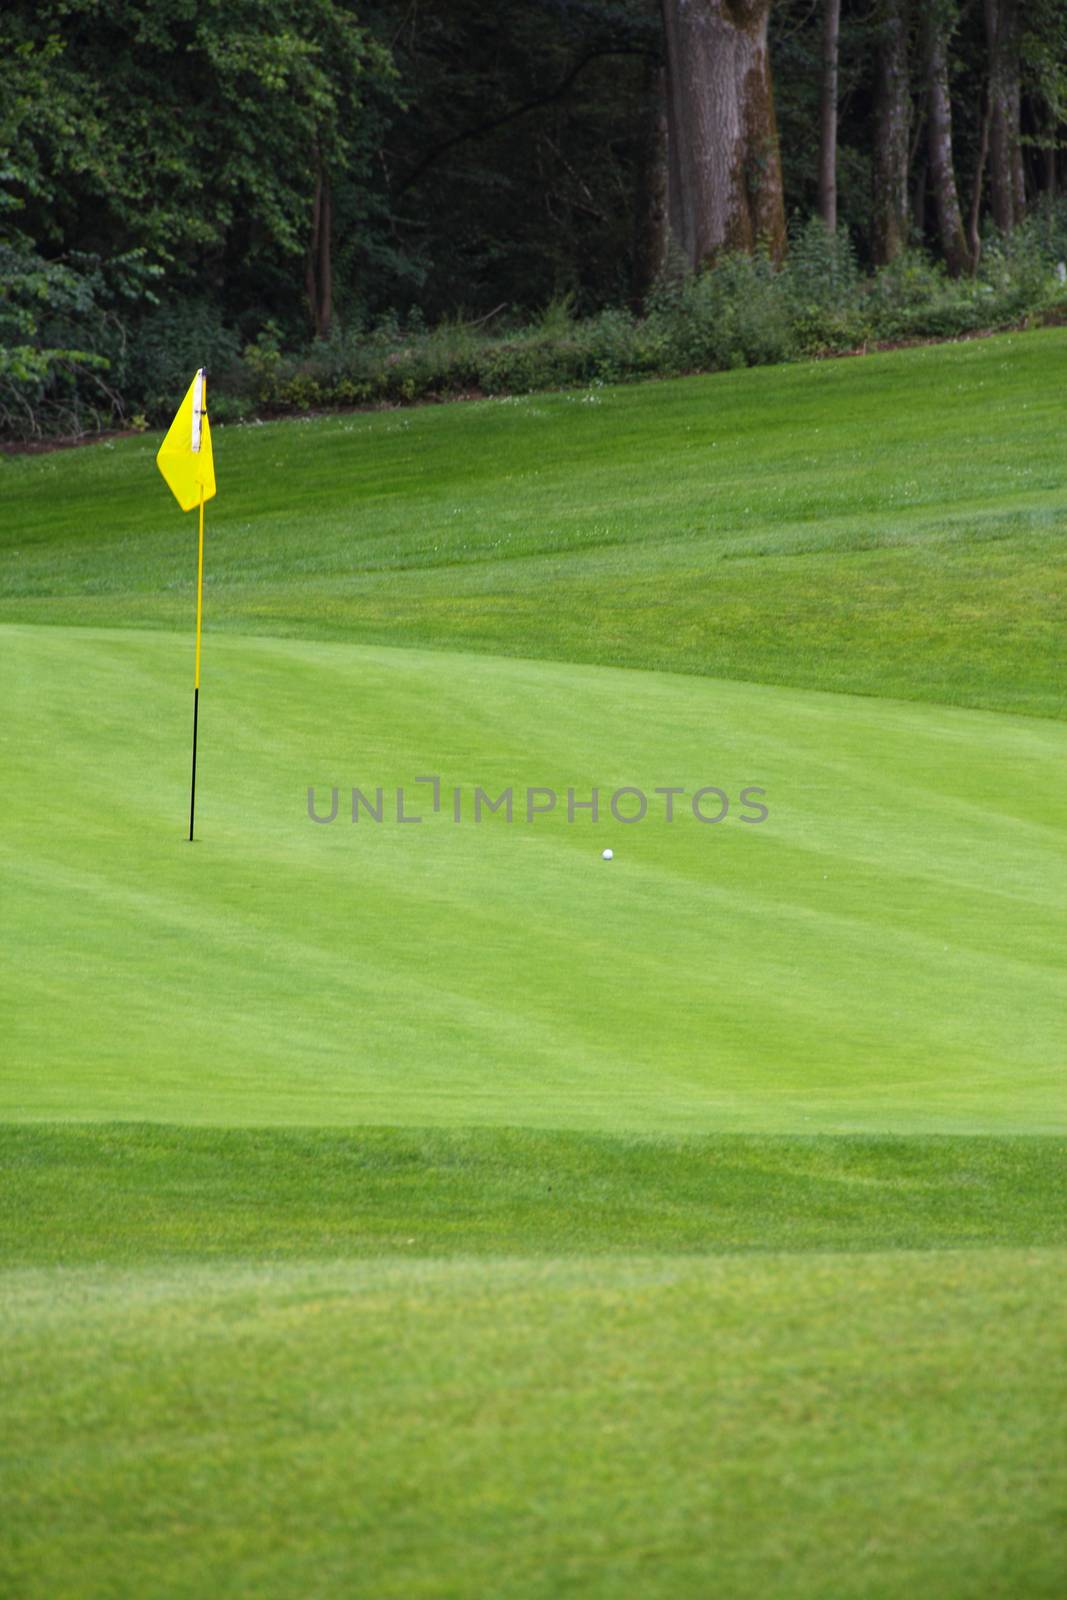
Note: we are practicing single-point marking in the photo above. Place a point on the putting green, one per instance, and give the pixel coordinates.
(881, 953)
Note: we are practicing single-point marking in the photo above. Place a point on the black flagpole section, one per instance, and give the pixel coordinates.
(192, 788)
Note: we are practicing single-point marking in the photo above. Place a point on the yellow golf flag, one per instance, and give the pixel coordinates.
(185, 460)
(184, 457)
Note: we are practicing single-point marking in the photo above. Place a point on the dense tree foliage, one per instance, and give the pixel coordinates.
(199, 175)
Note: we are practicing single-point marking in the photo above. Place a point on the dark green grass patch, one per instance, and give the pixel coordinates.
(130, 1194)
(863, 1426)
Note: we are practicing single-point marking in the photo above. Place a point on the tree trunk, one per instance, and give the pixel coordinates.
(831, 31)
(318, 263)
(892, 114)
(940, 20)
(728, 178)
(311, 275)
(1007, 182)
(1049, 122)
(651, 227)
(974, 239)
(1018, 167)
(674, 171)
(919, 196)
(326, 259)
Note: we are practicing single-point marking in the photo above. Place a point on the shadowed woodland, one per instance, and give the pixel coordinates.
(299, 191)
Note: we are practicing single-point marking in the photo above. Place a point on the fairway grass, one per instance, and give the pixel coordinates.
(472, 1362)
(807, 1426)
(438, 1210)
(891, 527)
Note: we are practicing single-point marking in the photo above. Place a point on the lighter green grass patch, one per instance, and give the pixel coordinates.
(882, 953)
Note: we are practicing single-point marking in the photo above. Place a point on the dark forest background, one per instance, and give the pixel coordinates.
(335, 203)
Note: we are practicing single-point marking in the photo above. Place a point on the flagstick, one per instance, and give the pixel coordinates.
(196, 680)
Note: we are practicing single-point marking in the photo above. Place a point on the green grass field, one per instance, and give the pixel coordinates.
(441, 1210)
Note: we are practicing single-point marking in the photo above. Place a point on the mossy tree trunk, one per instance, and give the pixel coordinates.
(726, 188)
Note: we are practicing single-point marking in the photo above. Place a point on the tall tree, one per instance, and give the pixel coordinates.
(974, 237)
(892, 119)
(831, 33)
(940, 20)
(726, 173)
(1007, 183)
(318, 266)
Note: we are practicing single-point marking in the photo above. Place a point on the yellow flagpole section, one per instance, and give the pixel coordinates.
(199, 589)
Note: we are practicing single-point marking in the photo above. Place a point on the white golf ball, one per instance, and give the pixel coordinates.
(607, 855)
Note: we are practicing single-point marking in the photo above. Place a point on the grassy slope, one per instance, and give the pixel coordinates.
(491, 1360)
(886, 527)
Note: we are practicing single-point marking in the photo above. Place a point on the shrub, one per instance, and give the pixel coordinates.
(163, 349)
(74, 356)
(734, 315)
(821, 273)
